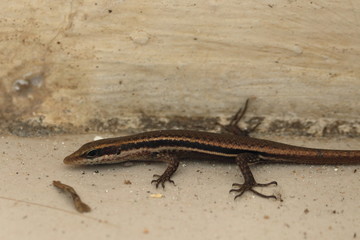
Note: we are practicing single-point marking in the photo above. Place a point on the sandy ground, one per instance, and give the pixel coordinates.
(318, 202)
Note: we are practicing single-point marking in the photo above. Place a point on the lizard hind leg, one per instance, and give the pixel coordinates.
(233, 127)
(242, 161)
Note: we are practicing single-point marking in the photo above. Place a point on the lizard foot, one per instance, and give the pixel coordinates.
(161, 180)
(242, 188)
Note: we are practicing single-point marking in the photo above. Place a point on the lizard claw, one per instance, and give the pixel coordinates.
(242, 188)
(161, 180)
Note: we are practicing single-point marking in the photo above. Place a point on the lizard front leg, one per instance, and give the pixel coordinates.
(172, 166)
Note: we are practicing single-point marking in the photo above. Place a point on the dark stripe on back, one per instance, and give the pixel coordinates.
(181, 143)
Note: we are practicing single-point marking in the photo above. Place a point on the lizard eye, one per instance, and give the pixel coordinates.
(92, 153)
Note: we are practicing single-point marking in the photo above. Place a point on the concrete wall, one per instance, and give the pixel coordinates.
(80, 66)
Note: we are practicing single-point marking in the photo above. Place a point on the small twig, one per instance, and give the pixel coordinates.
(79, 205)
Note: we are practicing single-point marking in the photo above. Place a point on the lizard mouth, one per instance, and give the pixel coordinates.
(69, 160)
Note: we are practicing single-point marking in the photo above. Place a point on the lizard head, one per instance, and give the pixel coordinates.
(102, 152)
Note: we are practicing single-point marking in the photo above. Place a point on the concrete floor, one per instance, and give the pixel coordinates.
(318, 202)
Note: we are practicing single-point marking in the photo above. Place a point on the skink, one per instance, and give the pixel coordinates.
(171, 146)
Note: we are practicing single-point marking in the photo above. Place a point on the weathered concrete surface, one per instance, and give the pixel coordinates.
(80, 66)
